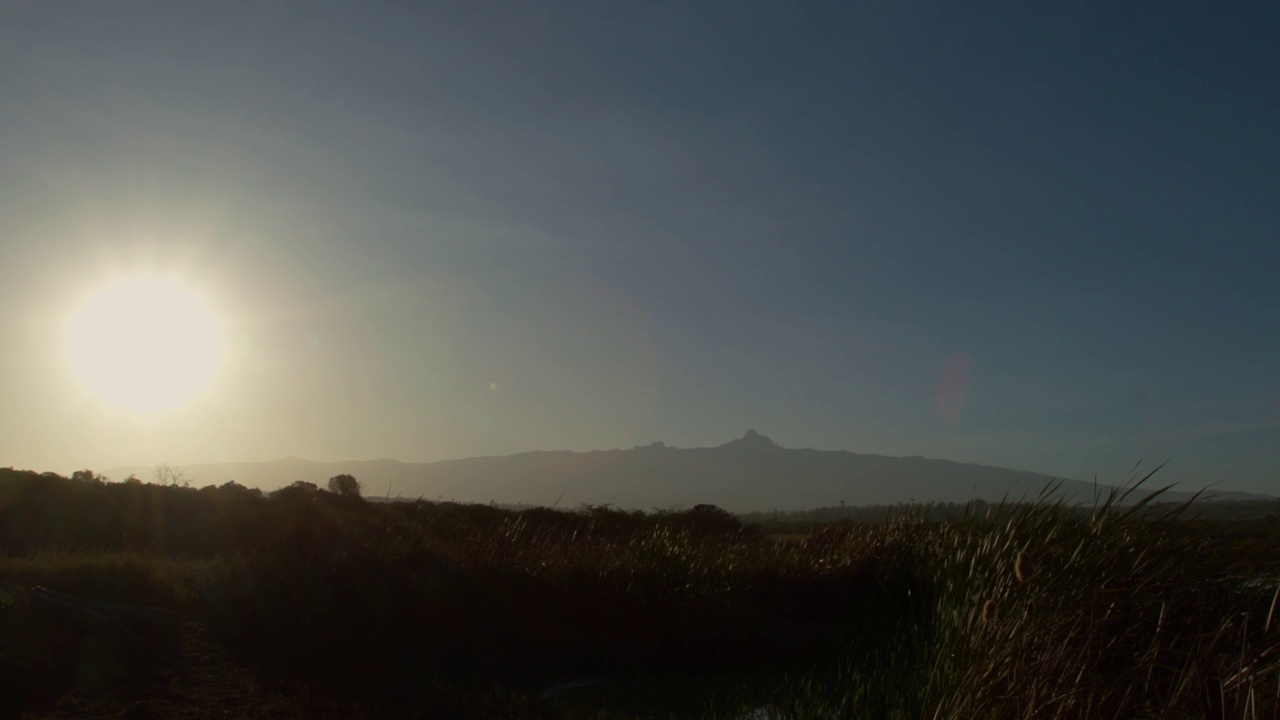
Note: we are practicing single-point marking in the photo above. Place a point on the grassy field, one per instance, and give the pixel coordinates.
(305, 603)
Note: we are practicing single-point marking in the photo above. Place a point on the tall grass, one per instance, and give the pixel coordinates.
(1027, 610)
(1040, 611)
(1132, 612)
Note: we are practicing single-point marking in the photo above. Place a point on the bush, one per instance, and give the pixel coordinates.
(345, 485)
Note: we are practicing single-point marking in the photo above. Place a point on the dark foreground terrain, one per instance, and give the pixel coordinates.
(306, 603)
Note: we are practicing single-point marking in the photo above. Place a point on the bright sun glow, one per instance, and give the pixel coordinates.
(145, 344)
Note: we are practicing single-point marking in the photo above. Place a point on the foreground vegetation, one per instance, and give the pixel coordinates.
(318, 603)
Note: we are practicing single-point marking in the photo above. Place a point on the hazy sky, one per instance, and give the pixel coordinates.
(1035, 236)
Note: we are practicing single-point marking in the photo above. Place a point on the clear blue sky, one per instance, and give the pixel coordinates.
(1032, 236)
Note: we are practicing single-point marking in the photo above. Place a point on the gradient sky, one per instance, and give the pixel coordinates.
(1041, 237)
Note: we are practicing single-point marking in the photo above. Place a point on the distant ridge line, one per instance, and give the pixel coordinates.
(749, 473)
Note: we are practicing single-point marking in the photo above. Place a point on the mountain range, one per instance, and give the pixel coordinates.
(747, 474)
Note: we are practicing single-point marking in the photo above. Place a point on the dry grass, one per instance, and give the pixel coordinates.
(344, 608)
(1041, 611)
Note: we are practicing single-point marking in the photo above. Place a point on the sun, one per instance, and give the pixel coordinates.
(145, 343)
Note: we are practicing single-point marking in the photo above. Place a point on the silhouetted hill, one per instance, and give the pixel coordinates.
(749, 473)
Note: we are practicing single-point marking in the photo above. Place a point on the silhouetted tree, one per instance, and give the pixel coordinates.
(86, 476)
(166, 474)
(345, 485)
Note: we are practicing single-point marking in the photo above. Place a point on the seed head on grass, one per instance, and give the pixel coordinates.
(989, 612)
(1102, 521)
(1024, 567)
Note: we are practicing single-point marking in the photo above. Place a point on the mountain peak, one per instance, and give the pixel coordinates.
(753, 440)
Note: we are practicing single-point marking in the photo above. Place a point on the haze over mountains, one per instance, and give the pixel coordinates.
(749, 473)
